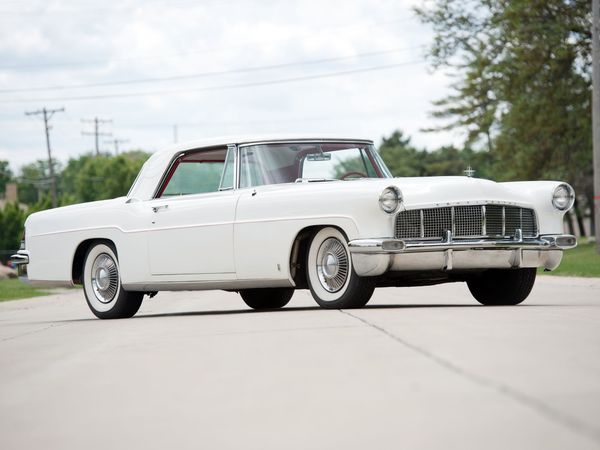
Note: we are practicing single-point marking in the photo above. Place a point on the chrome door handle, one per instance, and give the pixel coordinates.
(158, 208)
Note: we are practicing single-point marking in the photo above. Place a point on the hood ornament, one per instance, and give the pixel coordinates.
(469, 172)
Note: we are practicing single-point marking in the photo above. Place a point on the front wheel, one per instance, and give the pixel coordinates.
(331, 278)
(269, 298)
(102, 285)
(502, 286)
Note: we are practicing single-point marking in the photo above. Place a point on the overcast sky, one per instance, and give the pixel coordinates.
(211, 67)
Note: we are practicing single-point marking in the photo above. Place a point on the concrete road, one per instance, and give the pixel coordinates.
(418, 368)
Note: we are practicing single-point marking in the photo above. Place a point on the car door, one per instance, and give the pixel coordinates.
(191, 218)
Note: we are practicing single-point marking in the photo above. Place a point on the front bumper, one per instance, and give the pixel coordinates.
(21, 259)
(373, 257)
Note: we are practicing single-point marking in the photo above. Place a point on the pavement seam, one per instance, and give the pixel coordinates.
(39, 330)
(532, 402)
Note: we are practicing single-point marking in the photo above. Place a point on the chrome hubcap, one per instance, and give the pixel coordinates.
(105, 278)
(332, 265)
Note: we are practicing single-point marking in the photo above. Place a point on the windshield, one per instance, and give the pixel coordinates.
(289, 163)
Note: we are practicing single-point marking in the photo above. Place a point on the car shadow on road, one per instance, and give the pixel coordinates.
(291, 309)
(227, 312)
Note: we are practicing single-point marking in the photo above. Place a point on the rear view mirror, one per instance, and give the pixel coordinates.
(319, 157)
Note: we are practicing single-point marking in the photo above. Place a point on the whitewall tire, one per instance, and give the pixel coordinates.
(102, 285)
(331, 277)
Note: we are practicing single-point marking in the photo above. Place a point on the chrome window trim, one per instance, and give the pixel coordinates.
(371, 149)
(178, 155)
(306, 141)
(236, 166)
(231, 149)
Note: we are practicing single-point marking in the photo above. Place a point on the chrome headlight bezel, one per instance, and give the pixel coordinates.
(563, 197)
(390, 199)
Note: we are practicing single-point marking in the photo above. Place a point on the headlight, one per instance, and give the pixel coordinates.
(563, 197)
(390, 199)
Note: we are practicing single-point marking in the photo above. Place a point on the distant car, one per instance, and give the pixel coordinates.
(264, 217)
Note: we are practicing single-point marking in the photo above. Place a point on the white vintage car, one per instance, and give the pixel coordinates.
(264, 217)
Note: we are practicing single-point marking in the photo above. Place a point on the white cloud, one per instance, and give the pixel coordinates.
(78, 42)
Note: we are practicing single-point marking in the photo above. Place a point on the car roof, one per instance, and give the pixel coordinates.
(251, 139)
(145, 184)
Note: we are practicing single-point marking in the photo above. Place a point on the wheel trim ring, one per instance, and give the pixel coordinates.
(105, 278)
(331, 249)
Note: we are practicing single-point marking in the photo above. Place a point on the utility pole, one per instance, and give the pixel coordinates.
(116, 143)
(48, 113)
(596, 114)
(96, 133)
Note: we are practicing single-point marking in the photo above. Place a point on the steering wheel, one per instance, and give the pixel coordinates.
(360, 174)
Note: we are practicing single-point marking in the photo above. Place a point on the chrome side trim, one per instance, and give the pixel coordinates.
(207, 285)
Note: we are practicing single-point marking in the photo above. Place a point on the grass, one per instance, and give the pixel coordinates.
(582, 261)
(14, 289)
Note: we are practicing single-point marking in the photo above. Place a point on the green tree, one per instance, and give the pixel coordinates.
(404, 160)
(449, 160)
(523, 70)
(34, 181)
(401, 157)
(12, 218)
(89, 178)
(6, 175)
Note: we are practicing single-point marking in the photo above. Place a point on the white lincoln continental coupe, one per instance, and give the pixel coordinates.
(264, 217)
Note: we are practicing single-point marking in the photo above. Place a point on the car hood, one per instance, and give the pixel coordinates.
(423, 191)
(420, 191)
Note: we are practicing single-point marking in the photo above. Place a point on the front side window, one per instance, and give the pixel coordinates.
(287, 163)
(196, 173)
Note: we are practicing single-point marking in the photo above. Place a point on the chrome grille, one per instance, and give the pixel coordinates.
(436, 221)
(494, 220)
(410, 224)
(466, 221)
(528, 223)
(513, 220)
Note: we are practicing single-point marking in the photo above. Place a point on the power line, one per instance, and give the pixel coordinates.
(86, 10)
(220, 87)
(213, 73)
(234, 122)
(48, 113)
(219, 50)
(96, 133)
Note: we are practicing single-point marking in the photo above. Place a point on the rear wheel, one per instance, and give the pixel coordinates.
(502, 286)
(102, 285)
(331, 278)
(270, 298)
